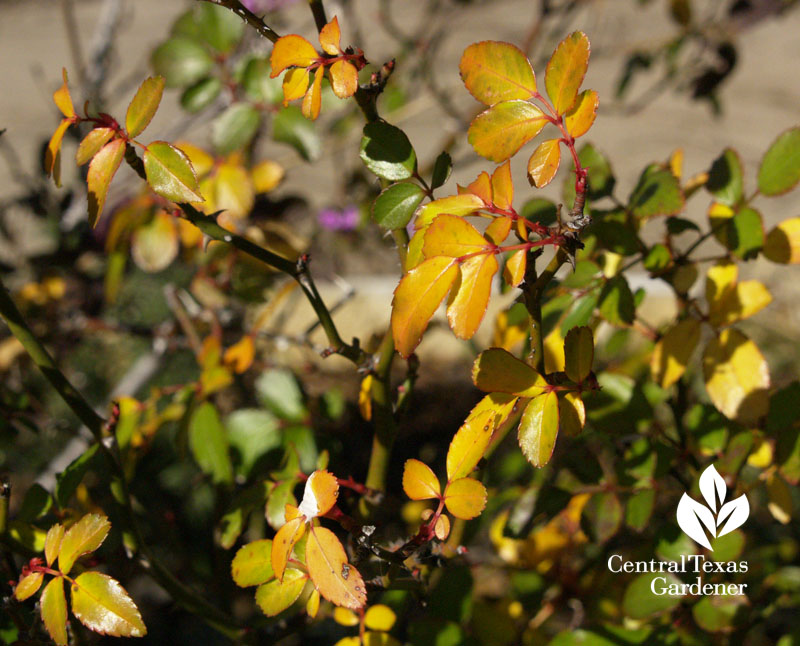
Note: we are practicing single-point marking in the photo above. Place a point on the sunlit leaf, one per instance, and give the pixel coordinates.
(459, 205)
(291, 51)
(544, 162)
(387, 152)
(783, 242)
(101, 171)
(419, 481)
(312, 605)
(571, 414)
(744, 300)
(284, 542)
(144, 105)
(337, 580)
(469, 444)
(28, 585)
(83, 537)
(672, 352)
(481, 187)
(62, 98)
(502, 186)
(52, 544)
(497, 370)
(582, 115)
(276, 596)
(329, 37)
(344, 79)
(320, 494)
(209, 444)
(252, 564)
(312, 101)
(565, 71)
(380, 617)
(169, 172)
(295, 84)
(495, 71)
(52, 154)
(266, 176)
(240, 355)
(154, 244)
(657, 193)
(514, 270)
(395, 206)
(54, 611)
(498, 229)
(465, 498)
(780, 168)
(441, 529)
(578, 353)
(365, 397)
(538, 429)
(102, 604)
(233, 190)
(92, 143)
(470, 295)
(499, 132)
(345, 617)
(726, 178)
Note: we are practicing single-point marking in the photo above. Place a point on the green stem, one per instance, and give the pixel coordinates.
(533, 290)
(385, 427)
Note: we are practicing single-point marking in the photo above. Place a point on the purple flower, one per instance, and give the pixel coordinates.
(345, 220)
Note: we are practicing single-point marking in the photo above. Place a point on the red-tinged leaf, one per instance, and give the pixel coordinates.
(543, 164)
(344, 79)
(295, 84)
(320, 494)
(337, 580)
(495, 71)
(252, 564)
(470, 295)
(419, 481)
(312, 101)
(170, 173)
(460, 205)
(497, 370)
(101, 171)
(566, 69)
(330, 36)
(144, 105)
(28, 585)
(514, 271)
(498, 229)
(103, 605)
(92, 143)
(62, 98)
(54, 611)
(52, 543)
(571, 414)
(499, 132)
(284, 542)
(502, 186)
(83, 537)
(417, 298)
(482, 187)
(276, 596)
(291, 51)
(469, 444)
(538, 429)
(578, 353)
(52, 155)
(582, 115)
(452, 236)
(465, 498)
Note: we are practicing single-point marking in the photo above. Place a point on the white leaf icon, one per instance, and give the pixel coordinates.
(689, 511)
(713, 487)
(736, 511)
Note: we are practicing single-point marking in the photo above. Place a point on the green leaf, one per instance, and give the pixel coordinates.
(581, 312)
(201, 94)
(103, 605)
(639, 509)
(170, 173)
(640, 602)
(83, 537)
(279, 497)
(276, 596)
(395, 206)
(657, 193)
(677, 225)
(289, 126)
(101, 171)
(616, 302)
(279, 391)
(442, 168)
(602, 516)
(218, 26)
(578, 353)
(37, 503)
(54, 611)
(232, 523)
(613, 232)
(780, 168)
(720, 613)
(252, 564)
(657, 259)
(728, 547)
(209, 445)
(538, 429)
(181, 61)
(92, 143)
(540, 210)
(744, 233)
(234, 128)
(257, 83)
(68, 480)
(783, 408)
(144, 105)
(387, 152)
(709, 428)
(252, 433)
(302, 438)
(726, 178)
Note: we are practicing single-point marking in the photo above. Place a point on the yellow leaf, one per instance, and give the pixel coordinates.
(721, 278)
(469, 444)
(312, 605)
(28, 585)
(581, 117)
(744, 300)
(497, 370)
(414, 256)
(514, 271)
(276, 596)
(499, 132)
(144, 105)
(736, 376)
(201, 161)
(417, 298)
(419, 481)
(240, 355)
(506, 335)
(345, 617)
(92, 143)
(538, 429)
(718, 215)
(783, 243)
(101, 171)
(470, 295)
(676, 163)
(102, 605)
(320, 494)
(349, 641)
(481, 187)
(52, 543)
(672, 352)
(54, 611)
(461, 205)
(233, 190)
(365, 398)
(498, 230)
(83, 537)
(312, 101)
(578, 353)
(62, 98)
(571, 414)
(284, 542)
(544, 162)
(566, 69)
(495, 71)
(761, 457)
(291, 51)
(441, 528)
(465, 498)
(252, 564)
(337, 580)
(52, 155)
(502, 186)
(780, 499)
(344, 79)
(154, 244)
(502, 405)
(380, 617)
(329, 37)
(295, 84)
(266, 175)
(453, 237)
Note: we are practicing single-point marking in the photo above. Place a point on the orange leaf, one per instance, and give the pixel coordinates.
(419, 481)
(465, 498)
(543, 164)
(284, 542)
(470, 295)
(469, 443)
(482, 187)
(581, 117)
(319, 495)
(417, 298)
(240, 355)
(83, 537)
(502, 187)
(566, 69)
(442, 527)
(454, 205)
(312, 101)
(344, 79)
(62, 98)
(538, 429)
(54, 611)
(101, 171)
(514, 271)
(144, 105)
(295, 84)
(499, 132)
(329, 37)
(337, 580)
(453, 237)
(494, 71)
(498, 229)
(291, 51)
(497, 370)
(92, 143)
(52, 156)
